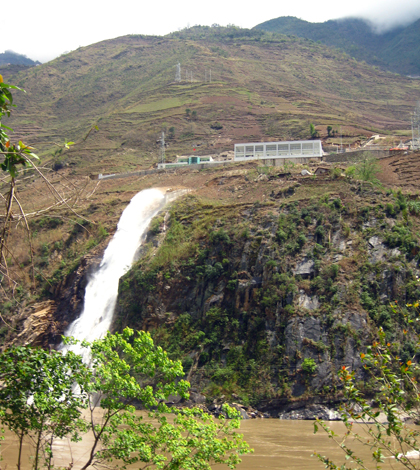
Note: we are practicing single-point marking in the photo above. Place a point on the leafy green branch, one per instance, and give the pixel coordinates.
(125, 369)
(385, 428)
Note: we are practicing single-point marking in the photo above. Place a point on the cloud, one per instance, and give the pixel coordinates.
(387, 15)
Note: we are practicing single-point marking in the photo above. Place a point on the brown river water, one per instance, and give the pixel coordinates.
(277, 445)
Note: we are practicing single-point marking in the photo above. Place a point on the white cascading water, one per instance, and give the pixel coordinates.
(102, 288)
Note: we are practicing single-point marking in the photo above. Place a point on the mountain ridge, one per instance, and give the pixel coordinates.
(397, 50)
(14, 58)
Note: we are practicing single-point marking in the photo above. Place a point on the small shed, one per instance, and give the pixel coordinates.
(193, 160)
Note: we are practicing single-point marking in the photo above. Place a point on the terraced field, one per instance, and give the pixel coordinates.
(401, 171)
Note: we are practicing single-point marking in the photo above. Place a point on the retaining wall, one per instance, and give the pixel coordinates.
(281, 161)
(349, 156)
(196, 166)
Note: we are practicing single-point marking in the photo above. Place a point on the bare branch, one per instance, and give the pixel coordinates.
(95, 188)
(51, 187)
(9, 203)
(28, 231)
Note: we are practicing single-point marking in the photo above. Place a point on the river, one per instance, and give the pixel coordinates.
(277, 445)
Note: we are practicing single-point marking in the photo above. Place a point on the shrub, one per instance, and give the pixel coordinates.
(320, 233)
(231, 285)
(301, 240)
(335, 173)
(391, 210)
(281, 235)
(367, 169)
(220, 237)
(307, 220)
(350, 171)
(155, 225)
(309, 366)
(414, 207)
(337, 203)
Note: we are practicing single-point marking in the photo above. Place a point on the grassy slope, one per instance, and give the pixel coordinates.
(396, 50)
(267, 87)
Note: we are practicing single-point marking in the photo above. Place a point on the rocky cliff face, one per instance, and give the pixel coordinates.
(43, 323)
(267, 300)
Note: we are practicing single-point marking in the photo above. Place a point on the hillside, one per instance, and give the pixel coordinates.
(397, 50)
(257, 269)
(263, 87)
(247, 292)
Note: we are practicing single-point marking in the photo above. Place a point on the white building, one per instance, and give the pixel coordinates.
(270, 150)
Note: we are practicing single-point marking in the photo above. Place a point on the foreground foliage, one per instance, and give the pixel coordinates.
(37, 400)
(125, 370)
(383, 425)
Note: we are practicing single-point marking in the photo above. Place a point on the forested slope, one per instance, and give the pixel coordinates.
(267, 300)
(397, 50)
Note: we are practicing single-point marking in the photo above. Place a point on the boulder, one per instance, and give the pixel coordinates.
(305, 267)
(312, 412)
(307, 301)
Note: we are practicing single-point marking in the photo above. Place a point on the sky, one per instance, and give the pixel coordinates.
(45, 29)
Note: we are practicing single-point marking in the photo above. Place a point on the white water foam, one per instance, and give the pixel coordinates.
(102, 288)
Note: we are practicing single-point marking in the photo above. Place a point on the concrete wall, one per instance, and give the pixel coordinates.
(281, 161)
(197, 166)
(127, 175)
(350, 156)
(201, 166)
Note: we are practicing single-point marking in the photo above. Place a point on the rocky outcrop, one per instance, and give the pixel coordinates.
(304, 268)
(312, 412)
(69, 297)
(272, 299)
(34, 325)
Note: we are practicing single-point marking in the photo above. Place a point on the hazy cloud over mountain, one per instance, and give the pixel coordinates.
(65, 28)
(389, 14)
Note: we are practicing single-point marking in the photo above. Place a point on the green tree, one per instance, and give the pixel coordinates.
(38, 402)
(128, 369)
(312, 130)
(37, 398)
(329, 129)
(366, 168)
(188, 112)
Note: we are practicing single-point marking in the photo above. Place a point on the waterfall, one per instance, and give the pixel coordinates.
(102, 288)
